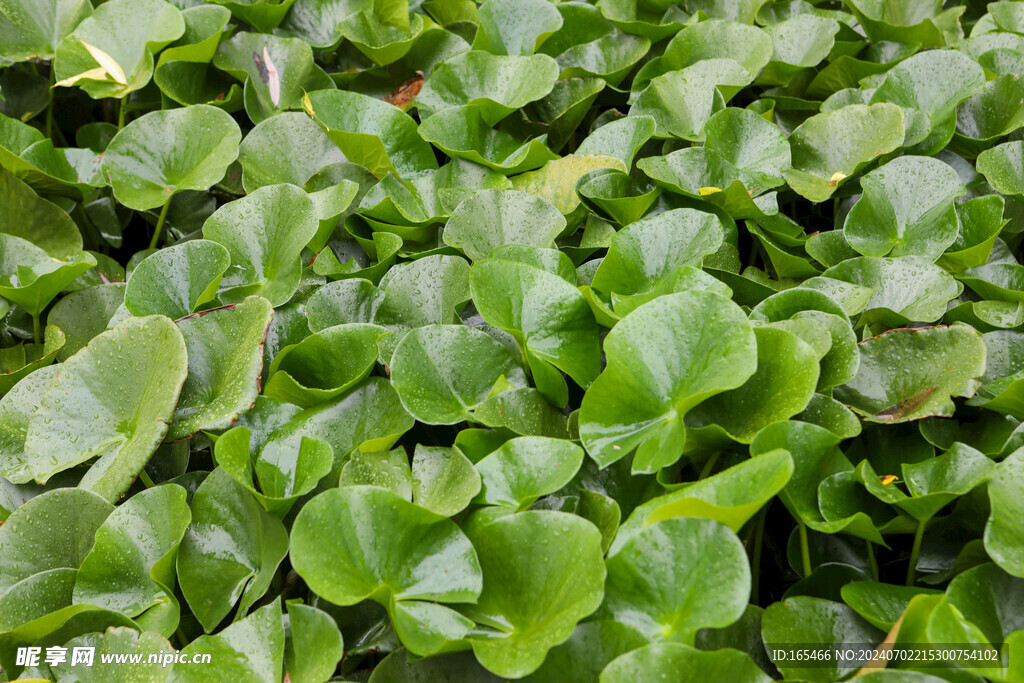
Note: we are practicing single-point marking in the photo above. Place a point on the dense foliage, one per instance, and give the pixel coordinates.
(427, 341)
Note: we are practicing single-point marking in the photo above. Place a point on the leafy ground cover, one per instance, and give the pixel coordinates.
(427, 341)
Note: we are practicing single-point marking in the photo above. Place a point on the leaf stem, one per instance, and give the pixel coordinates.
(805, 550)
(182, 638)
(709, 465)
(159, 225)
(37, 335)
(915, 551)
(872, 560)
(755, 561)
(49, 106)
(120, 113)
(146, 479)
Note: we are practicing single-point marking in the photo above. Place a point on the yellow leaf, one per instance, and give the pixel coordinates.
(108, 63)
(705, 191)
(97, 74)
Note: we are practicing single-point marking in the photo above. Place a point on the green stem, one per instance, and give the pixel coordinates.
(146, 479)
(709, 465)
(120, 113)
(872, 560)
(805, 550)
(159, 225)
(49, 107)
(37, 335)
(182, 638)
(755, 561)
(915, 550)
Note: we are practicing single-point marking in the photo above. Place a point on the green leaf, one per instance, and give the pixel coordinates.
(84, 314)
(313, 644)
(183, 71)
(177, 280)
(1003, 530)
(287, 148)
(283, 475)
(444, 480)
(265, 233)
(388, 471)
(32, 218)
(754, 146)
(663, 359)
(647, 259)
(370, 417)
(31, 278)
(798, 43)
(525, 469)
(929, 86)
(726, 497)
(461, 132)
(19, 361)
(543, 572)
(324, 365)
(443, 372)
(370, 132)
(906, 288)
(906, 209)
(495, 218)
(682, 101)
(677, 576)
(118, 641)
(252, 649)
(294, 69)
(126, 34)
(44, 542)
(882, 604)
(165, 152)
(263, 15)
(832, 146)
(678, 662)
(34, 29)
(822, 622)
(496, 84)
(548, 317)
(230, 551)
(225, 357)
(987, 597)
(908, 374)
(515, 27)
(130, 568)
(112, 401)
(781, 386)
(926, 24)
(622, 138)
(425, 559)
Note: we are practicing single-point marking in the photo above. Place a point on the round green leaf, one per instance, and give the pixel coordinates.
(265, 233)
(443, 480)
(251, 649)
(120, 572)
(677, 576)
(165, 152)
(906, 208)
(524, 469)
(34, 29)
(31, 217)
(495, 218)
(360, 542)
(907, 374)
(443, 372)
(113, 401)
(663, 359)
(224, 363)
(324, 365)
(543, 572)
(287, 148)
(833, 145)
(177, 280)
(497, 84)
(677, 662)
(110, 53)
(230, 551)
